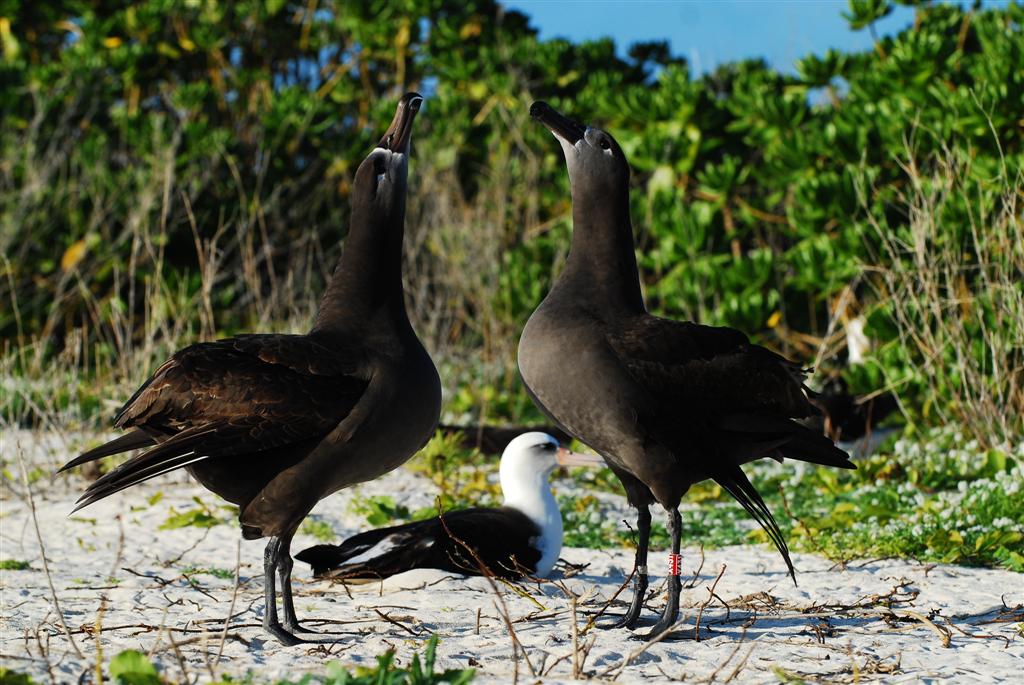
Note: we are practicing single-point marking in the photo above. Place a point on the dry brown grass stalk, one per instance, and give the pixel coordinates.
(42, 555)
(951, 281)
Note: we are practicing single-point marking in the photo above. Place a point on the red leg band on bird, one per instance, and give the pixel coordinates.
(674, 562)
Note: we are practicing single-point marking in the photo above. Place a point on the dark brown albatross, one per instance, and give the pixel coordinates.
(275, 423)
(666, 403)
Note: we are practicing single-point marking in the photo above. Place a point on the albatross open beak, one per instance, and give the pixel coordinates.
(400, 131)
(566, 457)
(563, 127)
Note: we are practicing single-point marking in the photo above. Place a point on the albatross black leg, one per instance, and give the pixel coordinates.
(671, 612)
(277, 561)
(271, 555)
(289, 618)
(643, 525)
(284, 576)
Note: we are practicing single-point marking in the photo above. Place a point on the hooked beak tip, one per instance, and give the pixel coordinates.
(399, 133)
(561, 126)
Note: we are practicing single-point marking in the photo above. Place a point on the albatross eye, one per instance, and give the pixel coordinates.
(605, 145)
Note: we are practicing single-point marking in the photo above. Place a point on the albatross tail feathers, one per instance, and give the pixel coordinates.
(372, 554)
(129, 441)
(736, 484)
(754, 435)
(178, 451)
(813, 447)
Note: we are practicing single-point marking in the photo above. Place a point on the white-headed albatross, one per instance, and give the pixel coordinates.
(666, 403)
(522, 538)
(275, 423)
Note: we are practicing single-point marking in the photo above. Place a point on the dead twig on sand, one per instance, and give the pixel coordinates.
(692, 583)
(635, 653)
(517, 646)
(943, 633)
(579, 654)
(600, 612)
(42, 554)
(711, 595)
(739, 667)
(98, 642)
(658, 638)
(231, 608)
(396, 623)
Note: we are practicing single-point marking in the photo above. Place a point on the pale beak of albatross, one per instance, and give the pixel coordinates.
(566, 457)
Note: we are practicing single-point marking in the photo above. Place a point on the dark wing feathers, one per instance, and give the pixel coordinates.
(300, 353)
(652, 338)
(178, 451)
(129, 441)
(387, 551)
(502, 538)
(741, 396)
(687, 365)
(267, 374)
(780, 437)
(236, 396)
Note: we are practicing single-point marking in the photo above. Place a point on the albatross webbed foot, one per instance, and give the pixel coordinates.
(304, 636)
(629, 619)
(279, 633)
(669, 615)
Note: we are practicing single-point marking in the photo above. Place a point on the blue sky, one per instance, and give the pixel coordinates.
(710, 32)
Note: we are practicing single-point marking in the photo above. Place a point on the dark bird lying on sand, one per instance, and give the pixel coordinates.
(275, 423)
(666, 403)
(521, 538)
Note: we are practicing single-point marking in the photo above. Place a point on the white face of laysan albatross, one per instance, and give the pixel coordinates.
(526, 465)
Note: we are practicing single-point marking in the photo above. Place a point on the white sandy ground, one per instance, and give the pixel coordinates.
(122, 583)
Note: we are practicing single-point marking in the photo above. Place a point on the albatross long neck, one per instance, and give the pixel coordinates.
(366, 288)
(602, 262)
(530, 493)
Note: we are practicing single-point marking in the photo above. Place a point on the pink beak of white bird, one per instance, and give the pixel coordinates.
(566, 457)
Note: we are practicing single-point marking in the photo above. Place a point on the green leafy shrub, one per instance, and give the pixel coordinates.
(174, 171)
(380, 509)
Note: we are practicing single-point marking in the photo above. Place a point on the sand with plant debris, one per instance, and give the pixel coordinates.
(123, 583)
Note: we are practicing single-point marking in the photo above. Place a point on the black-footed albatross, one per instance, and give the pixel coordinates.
(522, 538)
(666, 403)
(275, 423)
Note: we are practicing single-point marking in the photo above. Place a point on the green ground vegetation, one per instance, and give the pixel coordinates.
(132, 667)
(938, 498)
